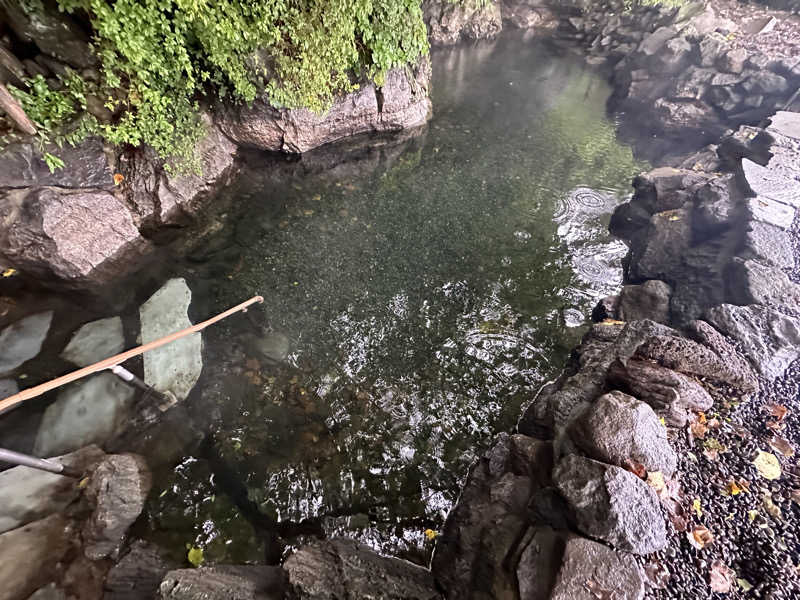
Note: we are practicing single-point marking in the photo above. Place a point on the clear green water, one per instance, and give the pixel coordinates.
(422, 292)
(426, 292)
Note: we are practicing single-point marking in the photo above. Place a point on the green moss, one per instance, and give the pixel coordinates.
(161, 57)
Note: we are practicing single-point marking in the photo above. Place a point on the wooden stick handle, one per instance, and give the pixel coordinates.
(113, 361)
(15, 112)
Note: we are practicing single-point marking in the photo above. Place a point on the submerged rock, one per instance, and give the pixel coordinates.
(176, 367)
(611, 504)
(226, 582)
(21, 341)
(29, 494)
(95, 341)
(138, 575)
(340, 568)
(613, 575)
(618, 428)
(768, 338)
(30, 555)
(87, 412)
(118, 489)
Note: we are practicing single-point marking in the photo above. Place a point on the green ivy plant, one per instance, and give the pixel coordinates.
(161, 58)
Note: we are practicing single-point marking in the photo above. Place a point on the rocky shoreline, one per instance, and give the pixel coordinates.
(599, 493)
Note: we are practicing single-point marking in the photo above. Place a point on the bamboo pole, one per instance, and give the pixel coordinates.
(108, 363)
(15, 112)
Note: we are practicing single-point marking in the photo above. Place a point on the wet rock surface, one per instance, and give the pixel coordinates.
(224, 582)
(138, 574)
(21, 341)
(448, 23)
(95, 341)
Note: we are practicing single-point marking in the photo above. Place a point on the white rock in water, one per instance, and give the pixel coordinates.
(21, 341)
(95, 341)
(88, 412)
(175, 367)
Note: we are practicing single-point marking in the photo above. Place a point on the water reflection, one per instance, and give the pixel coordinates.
(421, 300)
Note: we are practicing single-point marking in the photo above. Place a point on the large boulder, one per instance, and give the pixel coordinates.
(768, 338)
(611, 504)
(666, 188)
(341, 568)
(21, 341)
(450, 22)
(85, 166)
(118, 489)
(224, 582)
(539, 563)
(657, 254)
(76, 236)
(618, 428)
(175, 367)
(401, 103)
(612, 574)
(90, 411)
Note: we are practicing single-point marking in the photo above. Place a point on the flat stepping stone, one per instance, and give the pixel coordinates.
(94, 342)
(21, 341)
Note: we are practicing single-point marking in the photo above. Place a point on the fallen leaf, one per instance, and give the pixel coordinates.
(636, 468)
(721, 577)
(10, 272)
(700, 537)
(195, 556)
(772, 509)
(431, 534)
(778, 411)
(745, 585)
(611, 322)
(733, 489)
(767, 465)
(599, 592)
(696, 507)
(655, 479)
(118, 178)
(698, 429)
(252, 364)
(751, 515)
(781, 445)
(713, 423)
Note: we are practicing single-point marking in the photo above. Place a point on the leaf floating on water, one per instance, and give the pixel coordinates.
(767, 465)
(700, 537)
(721, 577)
(431, 534)
(195, 556)
(734, 489)
(781, 445)
(751, 515)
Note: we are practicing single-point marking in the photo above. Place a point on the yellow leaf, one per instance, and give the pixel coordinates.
(9, 272)
(430, 534)
(662, 421)
(751, 515)
(83, 483)
(767, 465)
(195, 556)
(655, 480)
(696, 507)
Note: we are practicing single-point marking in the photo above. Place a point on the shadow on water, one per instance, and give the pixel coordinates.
(416, 294)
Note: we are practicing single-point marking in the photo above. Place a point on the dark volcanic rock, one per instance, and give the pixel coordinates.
(715, 205)
(402, 103)
(138, 574)
(649, 300)
(613, 575)
(341, 568)
(736, 363)
(85, 166)
(226, 582)
(118, 490)
(657, 254)
(611, 504)
(75, 236)
(671, 394)
(666, 188)
(768, 338)
(618, 428)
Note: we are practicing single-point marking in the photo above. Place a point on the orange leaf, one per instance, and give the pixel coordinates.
(700, 537)
(698, 429)
(635, 468)
(118, 178)
(778, 411)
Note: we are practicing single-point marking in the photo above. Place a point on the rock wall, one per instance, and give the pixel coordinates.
(584, 486)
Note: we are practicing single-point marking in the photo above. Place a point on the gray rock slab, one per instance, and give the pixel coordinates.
(540, 562)
(785, 123)
(768, 243)
(619, 428)
(613, 575)
(95, 341)
(29, 555)
(611, 504)
(21, 341)
(341, 568)
(176, 367)
(118, 489)
(87, 412)
(766, 182)
(768, 338)
(225, 582)
(28, 495)
(769, 211)
(752, 282)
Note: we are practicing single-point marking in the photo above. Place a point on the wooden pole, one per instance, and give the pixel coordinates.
(15, 112)
(108, 363)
